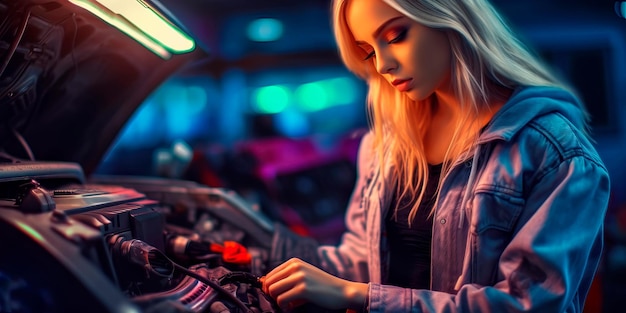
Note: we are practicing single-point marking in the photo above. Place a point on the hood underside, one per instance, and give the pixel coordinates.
(69, 81)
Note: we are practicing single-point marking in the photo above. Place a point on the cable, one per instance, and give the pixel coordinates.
(149, 257)
(240, 277)
(24, 144)
(215, 286)
(7, 157)
(246, 278)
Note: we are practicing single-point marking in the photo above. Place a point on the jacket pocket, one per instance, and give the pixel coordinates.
(494, 216)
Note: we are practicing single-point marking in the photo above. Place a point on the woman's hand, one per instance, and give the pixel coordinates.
(296, 282)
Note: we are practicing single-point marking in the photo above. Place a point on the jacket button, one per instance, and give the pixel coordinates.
(442, 221)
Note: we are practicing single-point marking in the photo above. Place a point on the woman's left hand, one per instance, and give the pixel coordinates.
(296, 282)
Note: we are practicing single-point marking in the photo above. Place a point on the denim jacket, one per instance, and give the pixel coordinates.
(518, 227)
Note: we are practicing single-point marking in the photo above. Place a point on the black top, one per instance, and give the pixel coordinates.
(410, 246)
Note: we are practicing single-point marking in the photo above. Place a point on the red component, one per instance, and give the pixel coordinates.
(235, 253)
(232, 252)
(214, 247)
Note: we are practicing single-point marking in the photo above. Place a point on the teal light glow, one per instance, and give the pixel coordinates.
(320, 95)
(308, 98)
(265, 29)
(312, 97)
(293, 123)
(271, 99)
(343, 90)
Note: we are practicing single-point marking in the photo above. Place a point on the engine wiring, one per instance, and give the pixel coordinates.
(216, 286)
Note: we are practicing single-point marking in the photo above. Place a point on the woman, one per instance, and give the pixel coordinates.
(478, 188)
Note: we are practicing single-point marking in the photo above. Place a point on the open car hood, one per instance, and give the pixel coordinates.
(69, 81)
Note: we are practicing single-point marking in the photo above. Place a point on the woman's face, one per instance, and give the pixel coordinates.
(415, 59)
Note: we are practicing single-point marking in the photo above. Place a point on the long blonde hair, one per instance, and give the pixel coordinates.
(484, 53)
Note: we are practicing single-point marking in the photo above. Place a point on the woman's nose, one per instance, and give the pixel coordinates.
(385, 62)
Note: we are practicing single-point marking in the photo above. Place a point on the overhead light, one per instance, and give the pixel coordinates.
(141, 22)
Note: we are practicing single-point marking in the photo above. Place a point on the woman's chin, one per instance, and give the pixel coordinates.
(418, 94)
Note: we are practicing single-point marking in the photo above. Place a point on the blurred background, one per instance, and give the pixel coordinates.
(274, 115)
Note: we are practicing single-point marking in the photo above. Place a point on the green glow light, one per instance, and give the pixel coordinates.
(271, 99)
(313, 96)
(30, 231)
(342, 90)
(323, 94)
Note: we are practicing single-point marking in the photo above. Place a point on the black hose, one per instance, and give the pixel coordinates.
(215, 286)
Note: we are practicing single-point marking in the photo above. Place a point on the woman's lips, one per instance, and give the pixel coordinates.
(402, 84)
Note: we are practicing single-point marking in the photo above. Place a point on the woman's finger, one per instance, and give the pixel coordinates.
(285, 264)
(288, 283)
(283, 271)
(292, 297)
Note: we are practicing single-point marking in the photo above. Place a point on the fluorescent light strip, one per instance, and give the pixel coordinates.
(123, 26)
(150, 22)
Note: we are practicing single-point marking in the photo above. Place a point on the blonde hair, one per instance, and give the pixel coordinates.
(484, 52)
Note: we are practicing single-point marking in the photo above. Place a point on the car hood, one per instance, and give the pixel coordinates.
(69, 81)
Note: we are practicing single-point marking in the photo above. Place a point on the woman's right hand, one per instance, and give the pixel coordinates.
(296, 282)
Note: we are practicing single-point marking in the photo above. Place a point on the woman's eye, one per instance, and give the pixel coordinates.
(399, 37)
(369, 56)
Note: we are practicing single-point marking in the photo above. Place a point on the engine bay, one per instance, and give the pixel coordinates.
(161, 246)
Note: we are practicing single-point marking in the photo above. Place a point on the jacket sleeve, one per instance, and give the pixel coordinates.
(350, 258)
(550, 260)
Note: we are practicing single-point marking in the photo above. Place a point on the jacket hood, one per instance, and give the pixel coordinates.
(526, 103)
